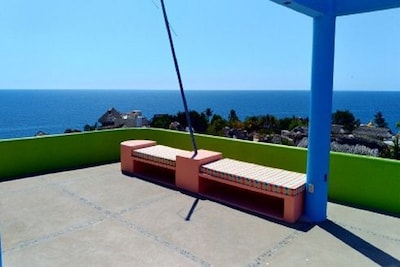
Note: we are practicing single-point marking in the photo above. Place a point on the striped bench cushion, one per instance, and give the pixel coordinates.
(261, 177)
(159, 153)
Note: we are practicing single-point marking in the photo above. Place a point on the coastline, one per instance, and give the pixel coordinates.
(25, 112)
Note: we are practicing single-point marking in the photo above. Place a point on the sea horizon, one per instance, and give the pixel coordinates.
(28, 111)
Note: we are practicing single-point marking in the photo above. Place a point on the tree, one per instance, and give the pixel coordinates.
(217, 125)
(396, 148)
(233, 119)
(345, 118)
(199, 120)
(271, 123)
(253, 123)
(89, 127)
(380, 120)
(289, 123)
(208, 113)
(232, 116)
(162, 121)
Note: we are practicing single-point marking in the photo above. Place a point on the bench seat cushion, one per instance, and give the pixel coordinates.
(159, 153)
(261, 177)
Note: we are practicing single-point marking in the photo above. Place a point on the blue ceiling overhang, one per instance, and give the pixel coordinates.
(316, 8)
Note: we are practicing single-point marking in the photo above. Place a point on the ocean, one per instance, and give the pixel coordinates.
(25, 112)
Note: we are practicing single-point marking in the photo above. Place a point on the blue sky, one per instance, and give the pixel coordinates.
(121, 44)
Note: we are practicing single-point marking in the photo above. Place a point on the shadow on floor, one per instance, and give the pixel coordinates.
(370, 251)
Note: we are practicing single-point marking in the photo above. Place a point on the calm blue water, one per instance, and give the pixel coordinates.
(25, 112)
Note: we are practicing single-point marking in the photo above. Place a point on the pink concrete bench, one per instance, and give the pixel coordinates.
(268, 191)
(243, 184)
(151, 161)
(164, 164)
(158, 155)
(126, 148)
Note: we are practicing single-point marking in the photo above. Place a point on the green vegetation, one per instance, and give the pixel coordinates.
(208, 122)
(89, 127)
(347, 135)
(380, 120)
(396, 149)
(217, 125)
(345, 118)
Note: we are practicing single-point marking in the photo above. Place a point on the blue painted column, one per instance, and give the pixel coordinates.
(320, 118)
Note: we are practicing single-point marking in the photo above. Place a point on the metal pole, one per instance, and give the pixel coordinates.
(320, 118)
(189, 122)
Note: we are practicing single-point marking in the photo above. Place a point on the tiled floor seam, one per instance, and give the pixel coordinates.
(263, 258)
(181, 251)
(36, 241)
(139, 229)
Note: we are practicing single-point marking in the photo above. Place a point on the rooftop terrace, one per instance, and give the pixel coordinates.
(56, 211)
(97, 216)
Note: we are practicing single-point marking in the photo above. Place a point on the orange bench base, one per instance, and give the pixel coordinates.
(127, 162)
(266, 203)
(187, 168)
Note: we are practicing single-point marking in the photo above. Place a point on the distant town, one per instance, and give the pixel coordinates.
(348, 134)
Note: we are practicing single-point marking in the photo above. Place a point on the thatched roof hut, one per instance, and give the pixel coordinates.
(110, 117)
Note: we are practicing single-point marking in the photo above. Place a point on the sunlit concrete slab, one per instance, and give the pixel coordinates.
(99, 217)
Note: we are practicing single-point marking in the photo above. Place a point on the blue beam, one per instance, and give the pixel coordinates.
(347, 7)
(316, 8)
(312, 8)
(320, 118)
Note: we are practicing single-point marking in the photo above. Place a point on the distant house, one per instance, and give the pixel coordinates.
(337, 129)
(115, 119)
(110, 118)
(373, 132)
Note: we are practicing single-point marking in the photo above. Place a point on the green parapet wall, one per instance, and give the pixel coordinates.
(29, 156)
(278, 156)
(371, 183)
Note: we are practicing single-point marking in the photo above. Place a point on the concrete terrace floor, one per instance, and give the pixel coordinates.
(99, 217)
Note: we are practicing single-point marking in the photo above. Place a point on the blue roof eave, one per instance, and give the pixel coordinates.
(316, 8)
(349, 7)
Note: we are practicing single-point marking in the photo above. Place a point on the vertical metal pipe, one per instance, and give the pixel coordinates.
(320, 118)
(178, 73)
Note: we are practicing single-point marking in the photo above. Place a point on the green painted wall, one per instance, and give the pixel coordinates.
(27, 156)
(366, 182)
(284, 157)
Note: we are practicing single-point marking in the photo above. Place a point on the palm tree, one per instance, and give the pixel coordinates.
(209, 114)
(380, 120)
(232, 116)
